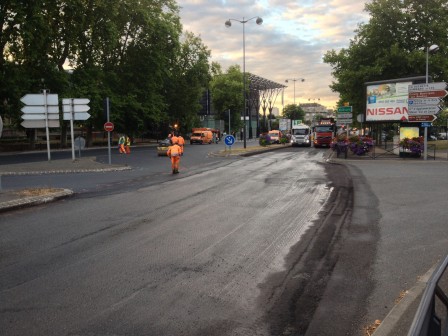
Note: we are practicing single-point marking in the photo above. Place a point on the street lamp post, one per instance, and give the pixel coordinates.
(294, 80)
(429, 49)
(228, 24)
(314, 107)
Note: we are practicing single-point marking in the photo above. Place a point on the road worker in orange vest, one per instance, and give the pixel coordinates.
(174, 152)
(174, 139)
(181, 142)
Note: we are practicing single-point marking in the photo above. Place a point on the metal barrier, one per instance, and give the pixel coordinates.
(426, 321)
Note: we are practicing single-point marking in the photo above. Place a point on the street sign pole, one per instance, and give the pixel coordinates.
(72, 130)
(47, 131)
(108, 133)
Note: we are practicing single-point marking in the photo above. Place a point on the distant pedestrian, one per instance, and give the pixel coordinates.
(174, 152)
(121, 142)
(127, 145)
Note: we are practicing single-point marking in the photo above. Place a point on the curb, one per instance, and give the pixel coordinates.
(34, 200)
(402, 309)
(66, 171)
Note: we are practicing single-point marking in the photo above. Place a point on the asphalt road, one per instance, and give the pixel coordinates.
(200, 254)
(275, 244)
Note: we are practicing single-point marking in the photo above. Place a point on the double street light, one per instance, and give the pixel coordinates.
(228, 24)
(294, 80)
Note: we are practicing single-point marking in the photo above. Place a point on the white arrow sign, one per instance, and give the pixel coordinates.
(76, 108)
(424, 101)
(39, 99)
(39, 123)
(423, 109)
(38, 116)
(40, 109)
(77, 116)
(427, 87)
(76, 101)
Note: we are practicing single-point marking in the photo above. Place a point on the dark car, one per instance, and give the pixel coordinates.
(162, 147)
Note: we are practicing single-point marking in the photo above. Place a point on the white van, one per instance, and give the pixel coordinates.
(301, 135)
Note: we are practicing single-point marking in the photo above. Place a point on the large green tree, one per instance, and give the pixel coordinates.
(227, 93)
(391, 45)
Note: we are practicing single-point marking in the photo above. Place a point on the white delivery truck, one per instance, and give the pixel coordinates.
(301, 135)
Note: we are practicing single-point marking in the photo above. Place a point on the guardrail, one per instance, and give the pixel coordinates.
(427, 321)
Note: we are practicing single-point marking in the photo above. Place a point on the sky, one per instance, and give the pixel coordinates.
(290, 43)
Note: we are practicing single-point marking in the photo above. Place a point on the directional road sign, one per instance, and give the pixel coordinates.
(345, 115)
(422, 118)
(75, 108)
(345, 109)
(229, 140)
(76, 101)
(40, 109)
(426, 124)
(39, 123)
(344, 121)
(423, 109)
(76, 116)
(39, 99)
(37, 116)
(424, 101)
(428, 94)
(427, 87)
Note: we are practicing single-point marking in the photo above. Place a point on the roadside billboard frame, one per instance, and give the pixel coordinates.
(390, 103)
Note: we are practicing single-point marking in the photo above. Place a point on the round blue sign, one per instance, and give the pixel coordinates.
(229, 140)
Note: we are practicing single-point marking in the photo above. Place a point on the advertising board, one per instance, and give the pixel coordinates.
(387, 101)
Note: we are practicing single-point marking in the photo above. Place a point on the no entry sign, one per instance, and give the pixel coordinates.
(109, 126)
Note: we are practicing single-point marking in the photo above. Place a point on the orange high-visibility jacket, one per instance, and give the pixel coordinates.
(181, 140)
(174, 150)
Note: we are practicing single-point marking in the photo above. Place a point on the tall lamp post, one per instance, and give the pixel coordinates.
(314, 109)
(228, 24)
(429, 49)
(294, 80)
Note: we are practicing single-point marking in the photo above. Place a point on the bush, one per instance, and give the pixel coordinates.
(264, 140)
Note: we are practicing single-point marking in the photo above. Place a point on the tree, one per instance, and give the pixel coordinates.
(391, 45)
(189, 79)
(227, 92)
(293, 112)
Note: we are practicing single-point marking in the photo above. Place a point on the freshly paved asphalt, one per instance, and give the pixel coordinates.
(400, 315)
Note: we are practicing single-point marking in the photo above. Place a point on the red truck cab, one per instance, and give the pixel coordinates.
(324, 132)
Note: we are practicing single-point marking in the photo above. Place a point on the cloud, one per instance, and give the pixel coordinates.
(290, 43)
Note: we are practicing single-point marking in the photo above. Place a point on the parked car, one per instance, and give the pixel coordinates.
(432, 137)
(441, 136)
(162, 147)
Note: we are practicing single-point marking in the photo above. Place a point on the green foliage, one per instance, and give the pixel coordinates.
(293, 112)
(227, 92)
(391, 45)
(131, 51)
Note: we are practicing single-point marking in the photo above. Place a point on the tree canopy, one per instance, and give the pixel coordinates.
(391, 45)
(132, 51)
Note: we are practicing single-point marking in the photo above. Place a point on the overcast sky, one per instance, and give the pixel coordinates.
(289, 44)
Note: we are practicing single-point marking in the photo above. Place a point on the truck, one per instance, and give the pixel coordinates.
(301, 135)
(324, 132)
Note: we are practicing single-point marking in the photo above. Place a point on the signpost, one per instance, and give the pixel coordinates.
(345, 116)
(108, 126)
(423, 101)
(41, 111)
(75, 109)
(229, 140)
(422, 118)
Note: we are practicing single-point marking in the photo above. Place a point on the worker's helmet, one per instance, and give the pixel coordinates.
(169, 135)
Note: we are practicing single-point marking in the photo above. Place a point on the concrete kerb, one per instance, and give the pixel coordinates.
(402, 314)
(35, 200)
